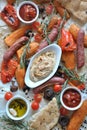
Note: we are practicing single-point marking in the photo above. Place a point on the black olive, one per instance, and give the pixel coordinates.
(26, 89)
(29, 33)
(41, 9)
(49, 93)
(63, 120)
(13, 87)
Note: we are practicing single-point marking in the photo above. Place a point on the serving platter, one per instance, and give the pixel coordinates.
(4, 31)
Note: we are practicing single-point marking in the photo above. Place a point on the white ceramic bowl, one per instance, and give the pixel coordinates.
(71, 108)
(31, 3)
(7, 108)
(52, 47)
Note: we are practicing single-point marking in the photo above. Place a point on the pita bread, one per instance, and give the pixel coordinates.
(78, 8)
(47, 118)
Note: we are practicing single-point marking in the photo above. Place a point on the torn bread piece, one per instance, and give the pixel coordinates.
(46, 118)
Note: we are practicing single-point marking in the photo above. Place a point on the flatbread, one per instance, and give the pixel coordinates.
(47, 118)
(78, 8)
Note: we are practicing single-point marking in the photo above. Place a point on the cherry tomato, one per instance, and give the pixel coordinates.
(35, 105)
(64, 111)
(36, 25)
(38, 37)
(8, 95)
(57, 88)
(38, 97)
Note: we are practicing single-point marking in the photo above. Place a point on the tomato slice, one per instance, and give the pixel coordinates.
(38, 37)
(57, 88)
(8, 95)
(35, 105)
(38, 98)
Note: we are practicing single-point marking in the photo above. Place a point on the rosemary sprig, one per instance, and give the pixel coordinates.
(23, 56)
(58, 94)
(13, 125)
(61, 25)
(73, 75)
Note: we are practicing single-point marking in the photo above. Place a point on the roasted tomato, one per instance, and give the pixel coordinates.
(64, 111)
(38, 37)
(38, 97)
(8, 70)
(49, 9)
(36, 25)
(8, 14)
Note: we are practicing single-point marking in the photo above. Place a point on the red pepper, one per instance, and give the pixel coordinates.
(8, 14)
(8, 70)
(66, 42)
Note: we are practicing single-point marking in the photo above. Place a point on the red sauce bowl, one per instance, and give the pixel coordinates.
(27, 12)
(71, 98)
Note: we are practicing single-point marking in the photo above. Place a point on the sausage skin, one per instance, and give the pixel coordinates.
(53, 80)
(52, 36)
(11, 51)
(80, 49)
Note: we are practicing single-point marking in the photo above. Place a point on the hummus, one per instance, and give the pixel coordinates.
(42, 66)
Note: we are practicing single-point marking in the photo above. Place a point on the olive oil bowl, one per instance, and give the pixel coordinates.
(17, 108)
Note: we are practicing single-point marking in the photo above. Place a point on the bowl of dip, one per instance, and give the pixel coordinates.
(71, 98)
(43, 65)
(27, 12)
(17, 108)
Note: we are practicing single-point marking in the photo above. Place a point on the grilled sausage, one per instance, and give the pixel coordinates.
(53, 80)
(80, 49)
(52, 36)
(11, 51)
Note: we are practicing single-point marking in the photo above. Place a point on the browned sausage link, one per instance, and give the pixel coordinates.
(80, 49)
(53, 80)
(52, 36)
(12, 50)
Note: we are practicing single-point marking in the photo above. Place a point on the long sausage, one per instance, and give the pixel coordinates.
(80, 49)
(52, 36)
(53, 80)
(12, 50)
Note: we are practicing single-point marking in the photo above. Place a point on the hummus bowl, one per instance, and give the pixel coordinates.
(51, 48)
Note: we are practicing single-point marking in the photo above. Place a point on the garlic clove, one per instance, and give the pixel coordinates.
(13, 111)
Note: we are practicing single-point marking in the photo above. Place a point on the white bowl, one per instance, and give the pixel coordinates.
(52, 47)
(31, 3)
(14, 117)
(71, 108)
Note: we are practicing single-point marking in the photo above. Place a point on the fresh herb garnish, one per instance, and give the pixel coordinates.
(59, 93)
(8, 124)
(73, 75)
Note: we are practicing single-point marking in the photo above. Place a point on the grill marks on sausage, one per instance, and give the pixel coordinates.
(52, 36)
(80, 49)
(12, 50)
(53, 80)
